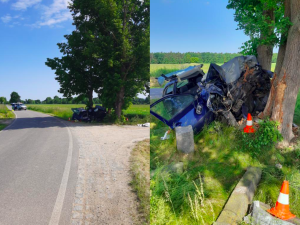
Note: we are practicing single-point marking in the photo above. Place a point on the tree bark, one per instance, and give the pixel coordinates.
(90, 96)
(265, 52)
(282, 49)
(119, 102)
(290, 69)
(287, 82)
(264, 56)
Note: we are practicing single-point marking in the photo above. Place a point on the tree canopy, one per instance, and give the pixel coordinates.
(108, 53)
(14, 97)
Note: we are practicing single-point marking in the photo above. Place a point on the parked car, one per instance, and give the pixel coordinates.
(228, 93)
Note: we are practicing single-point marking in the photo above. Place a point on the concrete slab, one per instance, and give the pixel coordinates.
(240, 199)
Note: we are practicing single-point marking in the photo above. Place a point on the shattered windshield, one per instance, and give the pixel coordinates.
(172, 106)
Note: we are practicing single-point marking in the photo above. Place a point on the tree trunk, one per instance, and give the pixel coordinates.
(264, 56)
(284, 111)
(282, 49)
(119, 102)
(286, 84)
(265, 52)
(90, 96)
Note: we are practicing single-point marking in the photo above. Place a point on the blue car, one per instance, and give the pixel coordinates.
(227, 93)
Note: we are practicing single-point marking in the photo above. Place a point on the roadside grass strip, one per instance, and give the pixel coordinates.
(135, 113)
(5, 116)
(222, 154)
(140, 170)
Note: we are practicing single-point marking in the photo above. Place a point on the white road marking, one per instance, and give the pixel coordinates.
(63, 186)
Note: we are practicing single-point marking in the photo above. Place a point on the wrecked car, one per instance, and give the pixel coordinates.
(227, 93)
(96, 113)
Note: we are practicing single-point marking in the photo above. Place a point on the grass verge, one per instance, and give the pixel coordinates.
(135, 113)
(5, 116)
(140, 170)
(222, 155)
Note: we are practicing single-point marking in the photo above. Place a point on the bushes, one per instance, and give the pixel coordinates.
(266, 136)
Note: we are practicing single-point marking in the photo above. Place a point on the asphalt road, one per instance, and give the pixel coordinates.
(38, 171)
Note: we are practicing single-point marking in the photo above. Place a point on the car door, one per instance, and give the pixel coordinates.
(181, 110)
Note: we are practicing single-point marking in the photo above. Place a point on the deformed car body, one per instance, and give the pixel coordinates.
(228, 93)
(96, 113)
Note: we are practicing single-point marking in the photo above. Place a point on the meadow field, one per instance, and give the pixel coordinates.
(157, 69)
(135, 113)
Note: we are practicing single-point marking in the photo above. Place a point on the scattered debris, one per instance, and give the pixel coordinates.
(260, 216)
(166, 136)
(144, 125)
(279, 166)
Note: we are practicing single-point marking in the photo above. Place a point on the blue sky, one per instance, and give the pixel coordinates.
(193, 25)
(29, 32)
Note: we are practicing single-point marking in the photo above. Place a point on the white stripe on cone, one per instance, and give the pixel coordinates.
(249, 123)
(283, 199)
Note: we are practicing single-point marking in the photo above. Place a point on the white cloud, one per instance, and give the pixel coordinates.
(6, 19)
(54, 14)
(4, 1)
(24, 4)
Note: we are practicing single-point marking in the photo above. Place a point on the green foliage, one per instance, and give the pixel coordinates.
(266, 136)
(221, 157)
(190, 57)
(254, 18)
(14, 97)
(3, 100)
(108, 53)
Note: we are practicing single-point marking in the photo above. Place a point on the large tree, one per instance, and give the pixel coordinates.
(108, 53)
(14, 97)
(263, 21)
(76, 71)
(119, 42)
(286, 83)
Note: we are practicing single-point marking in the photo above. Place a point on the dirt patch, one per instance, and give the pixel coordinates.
(103, 191)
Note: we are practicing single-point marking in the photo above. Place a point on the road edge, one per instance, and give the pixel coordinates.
(14, 120)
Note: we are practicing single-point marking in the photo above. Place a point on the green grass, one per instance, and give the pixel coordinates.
(135, 113)
(221, 158)
(140, 170)
(5, 115)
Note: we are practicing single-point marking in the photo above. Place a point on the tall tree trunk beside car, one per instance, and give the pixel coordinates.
(265, 51)
(287, 83)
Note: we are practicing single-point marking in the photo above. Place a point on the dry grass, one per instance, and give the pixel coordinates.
(140, 169)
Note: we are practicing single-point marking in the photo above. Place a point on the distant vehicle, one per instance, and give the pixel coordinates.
(227, 93)
(18, 106)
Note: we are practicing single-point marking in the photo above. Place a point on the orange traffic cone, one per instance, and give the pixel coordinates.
(249, 125)
(282, 208)
(69, 119)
